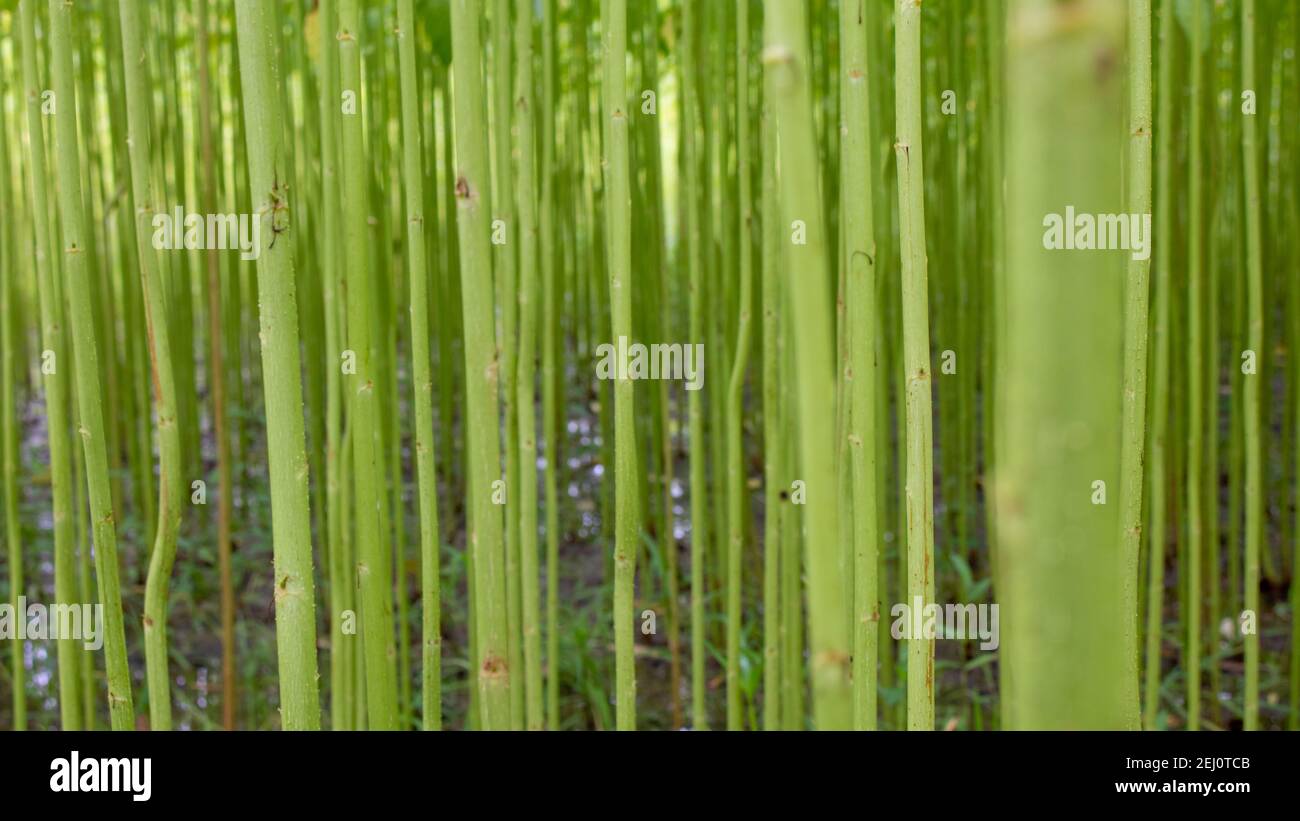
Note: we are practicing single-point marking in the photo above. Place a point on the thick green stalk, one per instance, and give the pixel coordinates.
(372, 540)
(53, 355)
(738, 490)
(524, 385)
(295, 601)
(810, 300)
(1060, 378)
(860, 252)
(916, 358)
(1254, 342)
(1135, 339)
(473, 185)
(86, 356)
(421, 374)
(160, 350)
(618, 228)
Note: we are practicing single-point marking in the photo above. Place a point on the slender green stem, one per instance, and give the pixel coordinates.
(810, 300)
(1160, 393)
(86, 356)
(372, 540)
(268, 174)
(738, 485)
(773, 445)
(618, 227)
(473, 185)
(341, 589)
(916, 358)
(9, 342)
(1254, 342)
(160, 349)
(504, 267)
(861, 378)
(421, 373)
(550, 349)
(1135, 338)
(1195, 385)
(695, 407)
(217, 386)
(525, 398)
(1293, 722)
(56, 381)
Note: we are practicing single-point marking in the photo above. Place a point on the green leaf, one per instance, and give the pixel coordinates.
(963, 570)
(982, 660)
